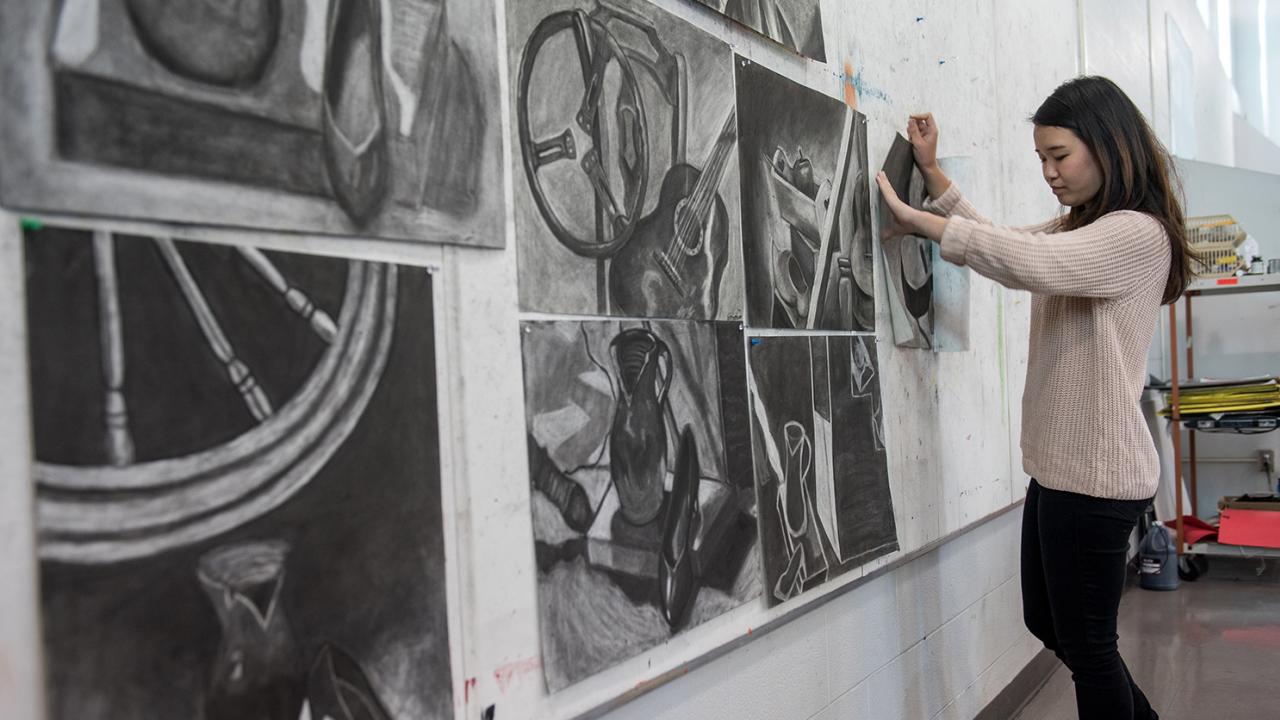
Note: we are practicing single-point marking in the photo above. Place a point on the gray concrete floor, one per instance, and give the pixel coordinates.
(1209, 650)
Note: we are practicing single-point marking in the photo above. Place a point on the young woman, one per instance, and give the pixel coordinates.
(1098, 275)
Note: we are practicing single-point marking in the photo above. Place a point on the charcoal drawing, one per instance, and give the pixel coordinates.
(806, 225)
(376, 118)
(237, 482)
(820, 464)
(795, 24)
(625, 136)
(643, 494)
(908, 259)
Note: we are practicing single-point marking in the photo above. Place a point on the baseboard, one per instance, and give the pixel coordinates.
(1021, 689)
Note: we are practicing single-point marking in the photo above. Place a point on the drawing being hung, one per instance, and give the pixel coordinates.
(821, 472)
(908, 259)
(238, 488)
(794, 24)
(626, 200)
(376, 118)
(643, 503)
(806, 208)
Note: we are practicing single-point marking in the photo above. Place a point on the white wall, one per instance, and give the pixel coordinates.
(936, 638)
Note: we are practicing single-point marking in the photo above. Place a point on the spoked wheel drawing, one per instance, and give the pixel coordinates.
(124, 503)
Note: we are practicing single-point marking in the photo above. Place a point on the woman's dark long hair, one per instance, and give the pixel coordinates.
(1137, 172)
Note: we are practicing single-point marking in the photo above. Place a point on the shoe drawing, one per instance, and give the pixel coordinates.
(917, 299)
(355, 127)
(676, 576)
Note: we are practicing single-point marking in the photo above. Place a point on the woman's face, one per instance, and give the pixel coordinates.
(1070, 169)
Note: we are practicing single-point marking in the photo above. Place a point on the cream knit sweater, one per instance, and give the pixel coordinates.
(1095, 297)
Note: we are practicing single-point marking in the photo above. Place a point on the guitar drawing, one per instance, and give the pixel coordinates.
(673, 263)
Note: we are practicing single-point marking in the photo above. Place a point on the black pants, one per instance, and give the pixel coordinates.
(1074, 555)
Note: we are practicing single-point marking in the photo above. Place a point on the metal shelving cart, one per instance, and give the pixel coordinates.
(1203, 288)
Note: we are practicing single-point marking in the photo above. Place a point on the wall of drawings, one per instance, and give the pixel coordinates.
(703, 197)
(325, 423)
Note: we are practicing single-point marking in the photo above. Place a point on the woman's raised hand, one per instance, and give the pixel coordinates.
(922, 131)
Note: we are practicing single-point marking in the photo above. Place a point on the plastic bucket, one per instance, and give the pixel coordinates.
(1158, 560)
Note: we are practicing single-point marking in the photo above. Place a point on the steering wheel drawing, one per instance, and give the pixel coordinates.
(122, 508)
(597, 50)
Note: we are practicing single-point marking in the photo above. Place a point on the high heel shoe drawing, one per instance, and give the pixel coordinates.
(917, 299)
(677, 578)
(355, 127)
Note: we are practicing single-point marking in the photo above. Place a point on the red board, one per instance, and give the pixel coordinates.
(1256, 528)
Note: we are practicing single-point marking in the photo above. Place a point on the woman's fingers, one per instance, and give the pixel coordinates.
(896, 224)
(885, 186)
(890, 195)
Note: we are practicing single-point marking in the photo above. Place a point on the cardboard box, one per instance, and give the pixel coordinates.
(1255, 528)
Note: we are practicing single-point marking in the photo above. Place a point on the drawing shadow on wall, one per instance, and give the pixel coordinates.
(794, 24)
(643, 503)
(627, 201)
(344, 116)
(237, 482)
(807, 242)
(909, 259)
(821, 475)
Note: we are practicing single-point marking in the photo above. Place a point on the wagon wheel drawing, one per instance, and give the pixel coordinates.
(597, 51)
(127, 508)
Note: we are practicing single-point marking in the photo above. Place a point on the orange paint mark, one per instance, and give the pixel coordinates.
(507, 673)
(850, 91)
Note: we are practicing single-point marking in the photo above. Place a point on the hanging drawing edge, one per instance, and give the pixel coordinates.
(454, 548)
(777, 43)
(30, 173)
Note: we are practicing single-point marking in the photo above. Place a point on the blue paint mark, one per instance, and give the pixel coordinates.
(865, 90)
(755, 341)
(942, 62)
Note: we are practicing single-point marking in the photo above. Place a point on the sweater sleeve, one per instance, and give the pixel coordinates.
(952, 202)
(1104, 259)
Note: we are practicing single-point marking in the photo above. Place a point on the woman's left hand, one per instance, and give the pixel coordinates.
(904, 219)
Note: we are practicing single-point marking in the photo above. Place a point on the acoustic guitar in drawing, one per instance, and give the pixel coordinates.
(673, 263)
